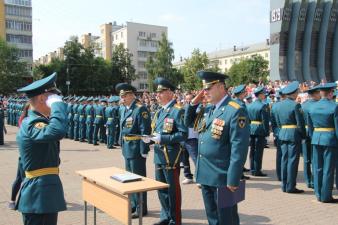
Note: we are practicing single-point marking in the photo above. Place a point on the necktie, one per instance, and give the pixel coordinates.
(212, 110)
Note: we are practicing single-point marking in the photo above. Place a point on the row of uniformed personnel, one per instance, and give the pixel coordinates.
(310, 128)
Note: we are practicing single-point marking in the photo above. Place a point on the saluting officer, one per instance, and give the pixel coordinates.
(259, 115)
(89, 120)
(223, 144)
(169, 131)
(41, 196)
(323, 128)
(292, 130)
(135, 119)
(313, 97)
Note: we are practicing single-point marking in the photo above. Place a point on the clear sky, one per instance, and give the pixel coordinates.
(205, 24)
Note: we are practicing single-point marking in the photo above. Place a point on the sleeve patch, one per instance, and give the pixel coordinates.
(241, 121)
(145, 115)
(234, 104)
(40, 125)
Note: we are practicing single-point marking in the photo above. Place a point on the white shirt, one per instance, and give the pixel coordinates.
(220, 102)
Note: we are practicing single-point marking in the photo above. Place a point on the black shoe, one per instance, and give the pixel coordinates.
(310, 186)
(162, 222)
(136, 215)
(245, 169)
(333, 200)
(266, 146)
(95, 144)
(245, 177)
(259, 174)
(296, 191)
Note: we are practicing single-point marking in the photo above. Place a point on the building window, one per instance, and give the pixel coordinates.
(153, 35)
(143, 75)
(22, 53)
(142, 54)
(19, 2)
(23, 39)
(225, 61)
(143, 43)
(154, 44)
(116, 37)
(141, 34)
(143, 86)
(18, 25)
(18, 11)
(121, 34)
(141, 64)
(266, 55)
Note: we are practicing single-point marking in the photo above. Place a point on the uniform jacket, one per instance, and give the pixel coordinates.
(258, 111)
(38, 140)
(223, 142)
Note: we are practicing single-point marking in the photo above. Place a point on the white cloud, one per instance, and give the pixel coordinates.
(170, 17)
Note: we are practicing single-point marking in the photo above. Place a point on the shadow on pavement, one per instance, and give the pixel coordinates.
(254, 220)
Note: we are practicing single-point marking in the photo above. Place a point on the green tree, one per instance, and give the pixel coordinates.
(161, 64)
(251, 70)
(198, 61)
(121, 65)
(12, 70)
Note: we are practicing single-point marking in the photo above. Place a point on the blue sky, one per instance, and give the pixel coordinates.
(205, 24)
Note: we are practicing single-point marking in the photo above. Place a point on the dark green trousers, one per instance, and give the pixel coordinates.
(137, 166)
(40, 219)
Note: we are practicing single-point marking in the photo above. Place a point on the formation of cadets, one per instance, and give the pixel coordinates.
(225, 129)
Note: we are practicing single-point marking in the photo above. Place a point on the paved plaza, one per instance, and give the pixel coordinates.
(265, 203)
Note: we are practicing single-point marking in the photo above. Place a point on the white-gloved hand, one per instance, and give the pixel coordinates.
(156, 138)
(53, 98)
(146, 139)
(144, 155)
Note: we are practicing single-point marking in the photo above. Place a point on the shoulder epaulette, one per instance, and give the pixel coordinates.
(234, 104)
(178, 106)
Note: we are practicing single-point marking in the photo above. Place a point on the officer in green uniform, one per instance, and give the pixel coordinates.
(89, 113)
(76, 118)
(223, 144)
(313, 96)
(168, 131)
(240, 94)
(290, 119)
(275, 129)
(98, 122)
(41, 196)
(82, 119)
(135, 120)
(259, 115)
(323, 128)
(111, 115)
(102, 132)
(70, 113)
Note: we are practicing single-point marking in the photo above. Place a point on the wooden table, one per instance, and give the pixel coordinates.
(111, 196)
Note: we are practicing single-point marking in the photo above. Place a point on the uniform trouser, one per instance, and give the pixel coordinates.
(40, 219)
(336, 172)
(89, 132)
(190, 150)
(137, 166)
(102, 133)
(215, 215)
(117, 135)
(170, 198)
(323, 170)
(96, 133)
(76, 130)
(110, 136)
(278, 158)
(1, 133)
(290, 161)
(17, 182)
(307, 158)
(8, 119)
(256, 153)
(82, 131)
(71, 130)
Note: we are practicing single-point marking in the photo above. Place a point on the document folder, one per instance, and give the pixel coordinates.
(126, 177)
(226, 198)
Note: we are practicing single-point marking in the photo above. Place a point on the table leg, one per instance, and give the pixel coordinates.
(140, 212)
(129, 214)
(85, 212)
(94, 215)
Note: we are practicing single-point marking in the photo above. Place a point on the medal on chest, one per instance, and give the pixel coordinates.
(168, 125)
(129, 122)
(217, 127)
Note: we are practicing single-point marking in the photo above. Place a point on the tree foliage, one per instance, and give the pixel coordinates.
(88, 74)
(161, 64)
(198, 61)
(251, 70)
(13, 71)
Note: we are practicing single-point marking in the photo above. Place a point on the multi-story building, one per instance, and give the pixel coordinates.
(16, 26)
(227, 57)
(142, 41)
